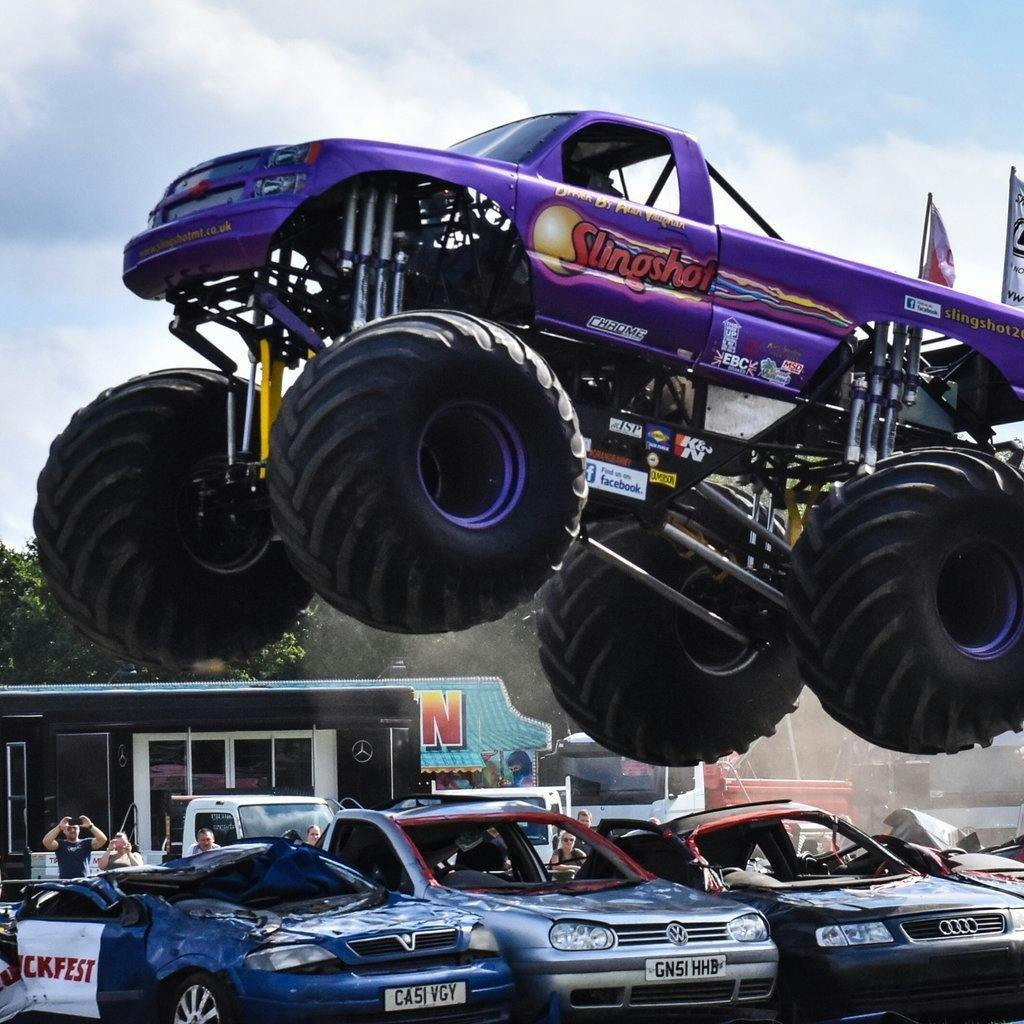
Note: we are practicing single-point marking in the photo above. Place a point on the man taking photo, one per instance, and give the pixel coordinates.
(73, 852)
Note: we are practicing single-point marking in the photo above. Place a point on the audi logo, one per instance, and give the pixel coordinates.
(676, 934)
(958, 926)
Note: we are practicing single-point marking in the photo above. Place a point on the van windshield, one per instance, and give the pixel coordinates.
(277, 819)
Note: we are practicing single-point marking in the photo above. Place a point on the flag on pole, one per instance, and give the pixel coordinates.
(1013, 269)
(938, 260)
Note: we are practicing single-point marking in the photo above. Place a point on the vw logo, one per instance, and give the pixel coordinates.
(362, 751)
(676, 934)
(958, 926)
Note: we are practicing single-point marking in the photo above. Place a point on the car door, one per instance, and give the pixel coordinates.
(611, 257)
(83, 954)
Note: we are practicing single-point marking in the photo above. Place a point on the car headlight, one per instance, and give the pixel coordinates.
(748, 928)
(284, 155)
(863, 933)
(280, 185)
(1017, 920)
(579, 935)
(291, 958)
(482, 940)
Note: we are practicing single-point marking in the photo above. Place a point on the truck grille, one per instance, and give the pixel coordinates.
(678, 995)
(655, 934)
(962, 926)
(408, 942)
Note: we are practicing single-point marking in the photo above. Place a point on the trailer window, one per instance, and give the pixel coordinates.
(625, 162)
(220, 823)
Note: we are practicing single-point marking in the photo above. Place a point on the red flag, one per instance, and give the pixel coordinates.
(938, 265)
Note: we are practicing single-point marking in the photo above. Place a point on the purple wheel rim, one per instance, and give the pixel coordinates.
(980, 599)
(472, 464)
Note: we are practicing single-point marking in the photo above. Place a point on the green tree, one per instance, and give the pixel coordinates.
(39, 644)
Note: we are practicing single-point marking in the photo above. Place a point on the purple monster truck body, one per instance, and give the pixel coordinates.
(541, 333)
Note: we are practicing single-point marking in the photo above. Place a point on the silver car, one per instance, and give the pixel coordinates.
(596, 936)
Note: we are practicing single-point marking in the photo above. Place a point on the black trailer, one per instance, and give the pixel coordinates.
(119, 752)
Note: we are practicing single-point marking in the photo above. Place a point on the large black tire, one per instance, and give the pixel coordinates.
(907, 601)
(646, 679)
(114, 537)
(200, 997)
(428, 473)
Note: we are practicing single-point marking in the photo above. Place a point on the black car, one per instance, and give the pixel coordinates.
(858, 929)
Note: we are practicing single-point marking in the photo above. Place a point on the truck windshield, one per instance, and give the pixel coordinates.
(277, 819)
(611, 779)
(513, 143)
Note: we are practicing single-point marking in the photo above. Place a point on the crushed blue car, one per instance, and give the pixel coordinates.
(265, 931)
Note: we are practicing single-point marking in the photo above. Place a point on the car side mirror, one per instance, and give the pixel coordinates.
(132, 913)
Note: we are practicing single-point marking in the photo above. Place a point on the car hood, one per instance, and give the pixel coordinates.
(400, 915)
(647, 901)
(897, 898)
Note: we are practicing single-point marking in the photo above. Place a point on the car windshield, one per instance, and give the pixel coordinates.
(496, 853)
(513, 143)
(277, 819)
(797, 852)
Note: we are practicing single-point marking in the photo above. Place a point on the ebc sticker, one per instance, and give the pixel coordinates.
(59, 965)
(617, 480)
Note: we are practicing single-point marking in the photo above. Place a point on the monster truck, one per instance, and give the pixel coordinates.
(523, 360)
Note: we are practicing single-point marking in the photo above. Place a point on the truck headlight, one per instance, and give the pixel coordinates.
(748, 928)
(580, 935)
(284, 155)
(863, 933)
(280, 185)
(292, 958)
(482, 940)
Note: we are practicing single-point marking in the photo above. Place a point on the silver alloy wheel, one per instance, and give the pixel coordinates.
(196, 1005)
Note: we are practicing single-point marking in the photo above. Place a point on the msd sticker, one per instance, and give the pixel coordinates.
(617, 479)
(59, 965)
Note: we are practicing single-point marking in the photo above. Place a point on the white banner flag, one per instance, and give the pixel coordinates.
(1013, 273)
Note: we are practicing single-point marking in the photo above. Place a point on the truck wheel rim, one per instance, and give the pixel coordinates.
(196, 1005)
(980, 599)
(709, 650)
(472, 464)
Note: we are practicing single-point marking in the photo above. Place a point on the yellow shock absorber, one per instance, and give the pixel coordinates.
(796, 520)
(271, 379)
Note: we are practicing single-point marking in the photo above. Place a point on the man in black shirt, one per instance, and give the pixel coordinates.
(73, 852)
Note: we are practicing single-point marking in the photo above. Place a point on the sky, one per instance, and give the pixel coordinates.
(836, 118)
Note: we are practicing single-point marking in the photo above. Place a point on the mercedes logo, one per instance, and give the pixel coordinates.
(362, 751)
(676, 934)
(958, 926)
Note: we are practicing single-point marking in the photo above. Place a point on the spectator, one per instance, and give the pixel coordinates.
(313, 835)
(119, 854)
(566, 852)
(584, 818)
(73, 852)
(205, 842)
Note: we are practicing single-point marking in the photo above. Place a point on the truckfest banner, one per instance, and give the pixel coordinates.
(1013, 268)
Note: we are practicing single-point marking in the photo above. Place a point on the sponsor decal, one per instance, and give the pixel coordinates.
(770, 370)
(613, 457)
(627, 427)
(665, 479)
(695, 448)
(730, 334)
(986, 323)
(652, 459)
(603, 202)
(737, 363)
(925, 306)
(658, 438)
(793, 367)
(59, 965)
(617, 479)
(620, 330)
